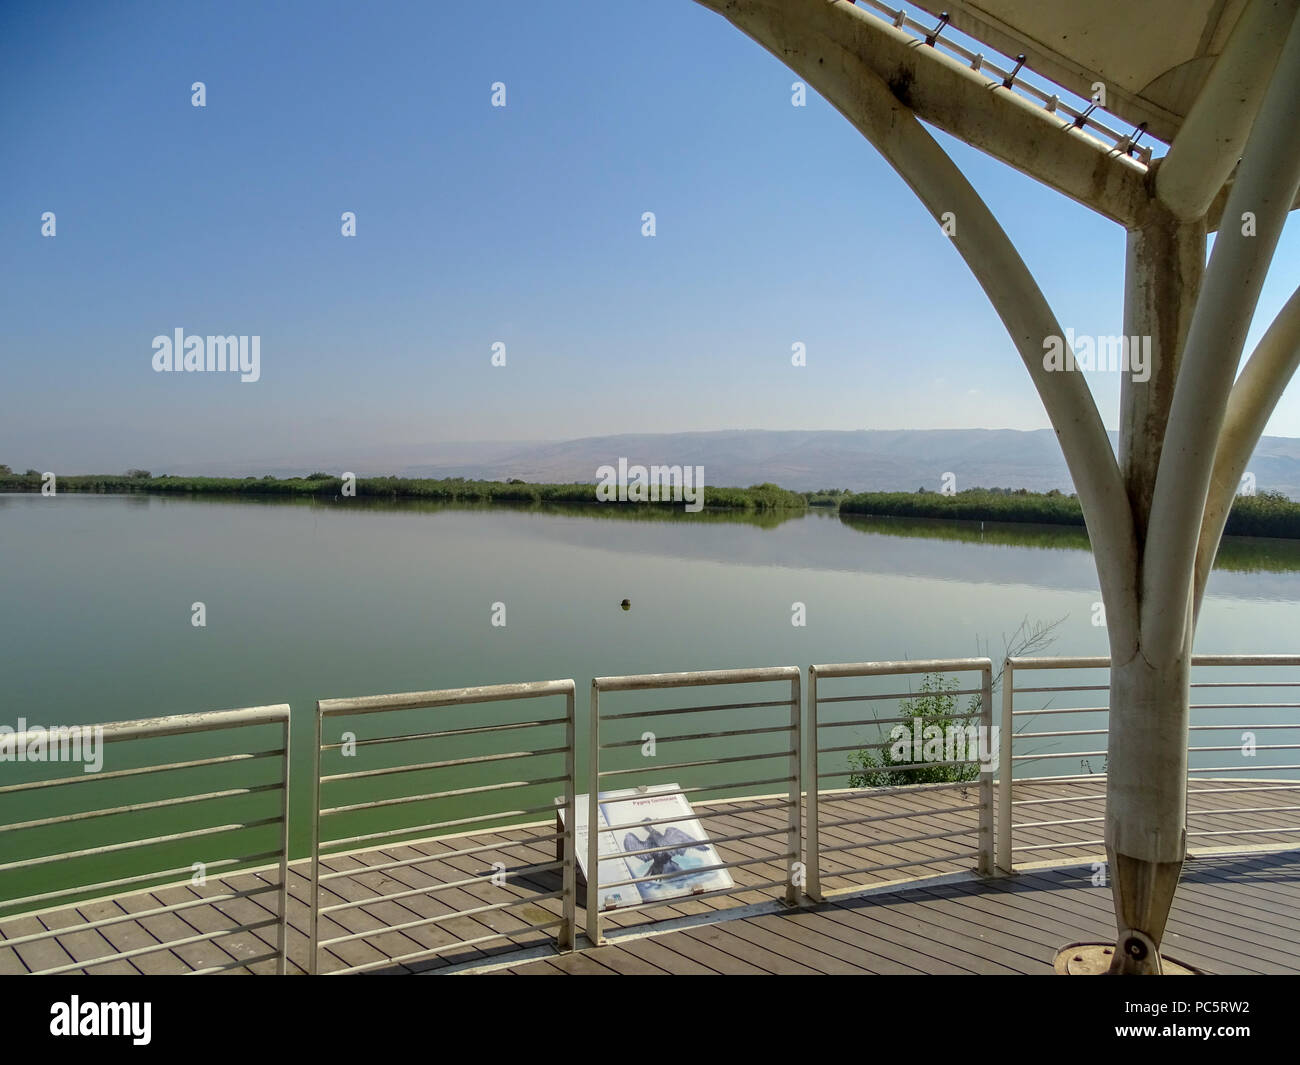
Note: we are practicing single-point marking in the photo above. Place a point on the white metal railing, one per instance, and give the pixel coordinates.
(370, 748)
(1080, 742)
(837, 767)
(408, 755)
(738, 741)
(175, 772)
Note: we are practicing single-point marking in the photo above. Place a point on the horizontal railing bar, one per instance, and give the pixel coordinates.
(694, 709)
(1191, 706)
(171, 725)
(431, 700)
(1054, 824)
(1073, 732)
(1246, 832)
(1102, 662)
(470, 731)
(903, 816)
(1060, 844)
(767, 859)
(90, 963)
(889, 768)
(183, 870)
(433, 889)
(885, 745)
(1246, 660)
(120, 918)
(180, 800)
(702, 678)
(876, 669)
(892, 695)
(782, 831)
(442, 855)
(1062, 710)
(402, 800)
(131, 844)
(1076, 778)
(416, 955)
(1062, 688)
(858, 794)
(1256, 747)
(1243, 768)
(700, 736)
(665, 767)
(237, 963)
(349, 840)
(1049, 662)
(85, 778)
(424, 922)
(1068, 798)
(695, 896)
(971, 718)
(1245, 684)
(700, 815)
(720, 787)
(1058, 754)
(1243, 706)
(1245, 809)
(418, 767)
(932, 860)
(873, 844)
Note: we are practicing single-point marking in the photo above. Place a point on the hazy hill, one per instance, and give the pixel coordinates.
(868, 459)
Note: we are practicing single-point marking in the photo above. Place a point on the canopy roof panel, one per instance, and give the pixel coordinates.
(1152, 55)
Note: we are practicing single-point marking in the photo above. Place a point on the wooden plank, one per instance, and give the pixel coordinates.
(652, 950)
(726, 938)
(815, 930)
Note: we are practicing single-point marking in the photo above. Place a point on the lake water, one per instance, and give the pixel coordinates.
(308, 600)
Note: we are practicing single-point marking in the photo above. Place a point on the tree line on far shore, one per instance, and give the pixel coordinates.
(1263, 514)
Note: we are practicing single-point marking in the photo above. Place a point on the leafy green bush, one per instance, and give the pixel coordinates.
(974, 504)
(934, 704)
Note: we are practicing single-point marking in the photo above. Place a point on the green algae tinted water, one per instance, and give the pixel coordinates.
(306, 600)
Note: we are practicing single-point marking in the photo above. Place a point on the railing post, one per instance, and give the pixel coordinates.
(986, 858)
(313, 959)
(568, 874)
(593, 820)
(795, 811)
(282, 938)
(813, 831)
(1005, 768)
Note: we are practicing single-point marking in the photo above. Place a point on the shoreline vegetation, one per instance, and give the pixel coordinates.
(1267, 514)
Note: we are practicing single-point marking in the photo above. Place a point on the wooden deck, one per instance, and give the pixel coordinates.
(1234, 914)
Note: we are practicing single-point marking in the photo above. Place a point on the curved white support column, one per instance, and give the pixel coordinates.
(1266, 184)
(1254, 396)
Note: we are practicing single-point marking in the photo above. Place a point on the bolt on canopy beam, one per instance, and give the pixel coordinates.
(956, 99)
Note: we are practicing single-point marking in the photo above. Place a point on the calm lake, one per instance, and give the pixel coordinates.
(308, 600)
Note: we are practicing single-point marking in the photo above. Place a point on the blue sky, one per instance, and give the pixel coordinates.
(477, 224)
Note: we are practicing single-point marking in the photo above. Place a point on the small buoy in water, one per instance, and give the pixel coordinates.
(626, 604)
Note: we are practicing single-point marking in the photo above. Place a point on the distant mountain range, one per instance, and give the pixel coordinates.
(862, 460)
